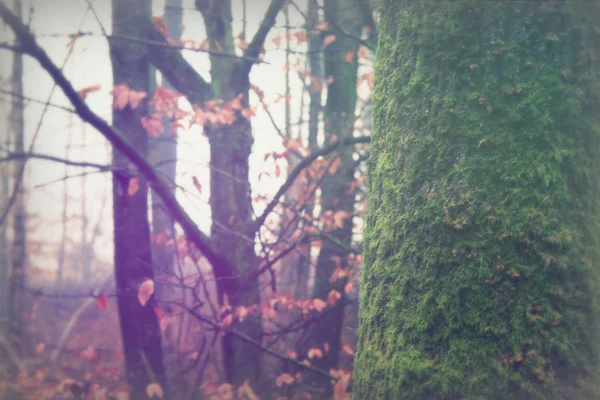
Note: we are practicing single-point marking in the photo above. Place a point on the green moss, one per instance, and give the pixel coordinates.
(481, 260)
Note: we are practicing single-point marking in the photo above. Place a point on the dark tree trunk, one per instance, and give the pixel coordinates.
(336, 189)
(481, 244)
(18, 253)
(133, 263)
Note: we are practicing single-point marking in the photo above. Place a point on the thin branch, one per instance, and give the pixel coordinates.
(20, 156)
(258, 40)
(249, 340)
(118, 141)
(29, 99)
(300, 167)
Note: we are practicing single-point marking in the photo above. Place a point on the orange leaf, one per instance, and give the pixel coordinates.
(87, 90)
(349, 56)
(323, 26)
(284, 379)
(145, 291)
(277, 41)
(135, 98)
(347, 349)
(315, 353)
(154, 390)
(228, 320)
(120, 96)
(161, 26)
(101, 302)
(204, 45)
(319, 305)
(134, 186)
(328, 40)
(333, 296)
(349, 287)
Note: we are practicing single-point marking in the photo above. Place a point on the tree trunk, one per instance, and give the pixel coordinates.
(163, 154)
(230, 200)
(18, 253)
(133, 263)
(336, 188)
(481, 245)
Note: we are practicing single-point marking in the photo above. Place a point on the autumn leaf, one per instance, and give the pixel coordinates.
(301, 37)
(145, 290)
(153, 125)
(284, 379)
(39, 348)
(133, 187)
(218, 46)
(135, 98)
(315, 353)
(228, 320)
(319, 304)
(161, 26)
(120, 96)
(349, 287)
(349, 56)
(102, 302)
(277, 41)
(348, 350)
(333, 297)
(87, 90)
(328, 40)
(323, 26)
(154, 390)
(203, 45)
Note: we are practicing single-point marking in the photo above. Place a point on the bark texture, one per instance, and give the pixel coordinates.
(481, 245)
(133, 262)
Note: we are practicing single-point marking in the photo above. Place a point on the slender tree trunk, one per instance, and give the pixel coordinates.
(133, 263)
(163, 154)
(18, 253)
(336, 189)
(230, 200)
(481, 246)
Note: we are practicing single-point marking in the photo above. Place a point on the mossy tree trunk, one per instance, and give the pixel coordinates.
(481, 260)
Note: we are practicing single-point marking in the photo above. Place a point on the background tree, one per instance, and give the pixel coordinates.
(132, 255)
(481, 261)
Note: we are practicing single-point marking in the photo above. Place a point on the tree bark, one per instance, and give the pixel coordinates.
(140, 330)
(481, 244)
(163, 154)
(336, 188)
(18, 253)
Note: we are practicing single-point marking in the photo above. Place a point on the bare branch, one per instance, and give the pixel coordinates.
(249, 340)
(301, 166)
(258, 40)
(21, 156)
(118, 141)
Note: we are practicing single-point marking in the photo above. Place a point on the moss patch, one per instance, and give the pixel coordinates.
(481, 259)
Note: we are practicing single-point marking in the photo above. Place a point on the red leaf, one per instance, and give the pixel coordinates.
(284, 379)
(349, 56)
(339, 390)
(323, 26)
(145, 291)
(315, 353)
(328, 40)
(87, 90)
(161, 26)
(102, 302)
(134, 186)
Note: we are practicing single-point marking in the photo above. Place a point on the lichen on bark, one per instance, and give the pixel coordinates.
(481, 260)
